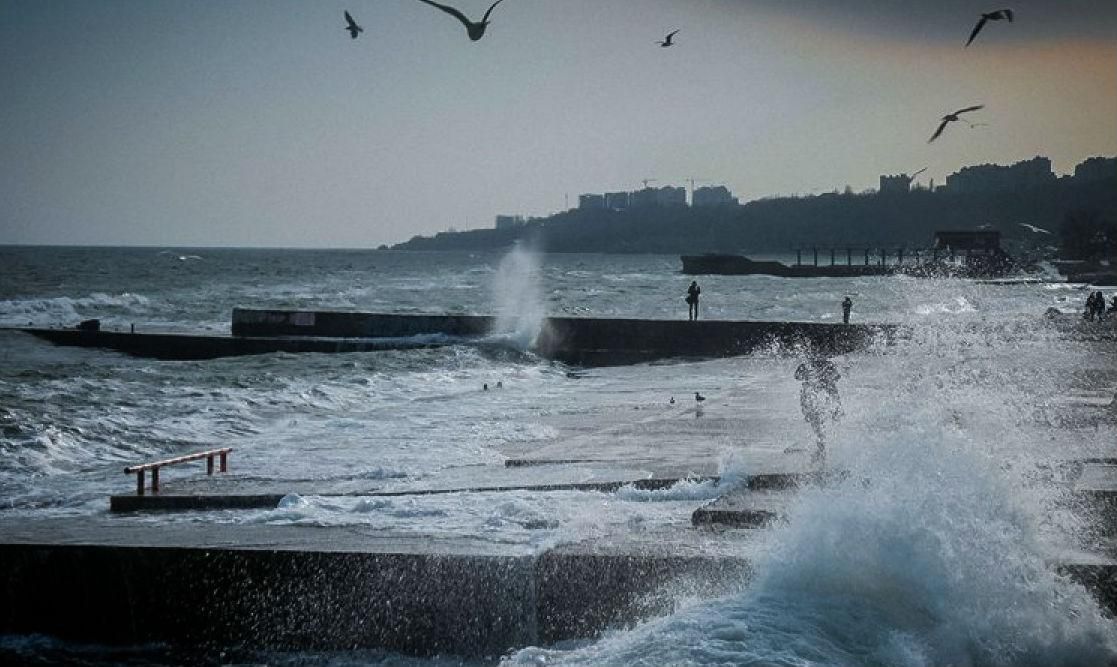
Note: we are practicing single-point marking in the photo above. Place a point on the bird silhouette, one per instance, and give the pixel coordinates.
(1033, 228)
(667, 40)
(951, 117)
(672, 401)
(352, 26)
(476, 30)
(699, 397)
(998, 15)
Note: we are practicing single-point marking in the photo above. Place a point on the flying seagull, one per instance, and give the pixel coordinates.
(353, 28)
(998, 15)
(1033, 228)
(476, 30)
(952, 117)
(667, 40)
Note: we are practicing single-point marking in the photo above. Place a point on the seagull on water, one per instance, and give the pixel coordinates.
(667, 40)
(476, 30)
(699, 397)
(998, 15)
(950, 117)
(352, 26)
(672, 401)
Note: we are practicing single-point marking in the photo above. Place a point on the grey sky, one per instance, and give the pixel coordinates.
(221, 122)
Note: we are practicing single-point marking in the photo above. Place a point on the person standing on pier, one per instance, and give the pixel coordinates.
(692, 293)
(847, 306)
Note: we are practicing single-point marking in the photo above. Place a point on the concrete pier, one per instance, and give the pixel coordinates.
(278, 588)
(584, 341)
(195, 347)
(588, 341)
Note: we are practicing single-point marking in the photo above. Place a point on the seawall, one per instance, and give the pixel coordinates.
(589, 341)
(278, 588)
(583, 341)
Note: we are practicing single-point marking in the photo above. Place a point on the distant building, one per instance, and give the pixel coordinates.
(591, 201)
(509, 221)
(993, 177)
(1096, 169)
(670, 196)
(617, 201)
(642, 198)
(891, 185)
(979, 251)
(717, 195)
(665, 196)
(979, 241)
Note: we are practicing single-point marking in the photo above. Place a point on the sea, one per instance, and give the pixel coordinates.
(944, 559)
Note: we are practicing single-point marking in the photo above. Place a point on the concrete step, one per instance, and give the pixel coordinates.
(299, 588)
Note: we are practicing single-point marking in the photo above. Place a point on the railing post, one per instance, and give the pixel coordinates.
(224, 461)
(140, 482)
(209, 464)
(155, 479)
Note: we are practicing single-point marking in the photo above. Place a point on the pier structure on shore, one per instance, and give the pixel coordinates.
(581, 341)
(971, 254)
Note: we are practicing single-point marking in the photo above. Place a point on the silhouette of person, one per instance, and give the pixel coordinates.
(1093, 307)
(692, 293)
(847, 305)
(818, 398)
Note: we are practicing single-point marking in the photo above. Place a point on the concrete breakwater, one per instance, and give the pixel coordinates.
(218, 587)
(584, 341)
(589, 341)
(214, 587)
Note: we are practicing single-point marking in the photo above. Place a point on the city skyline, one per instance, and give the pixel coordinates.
(154, 123)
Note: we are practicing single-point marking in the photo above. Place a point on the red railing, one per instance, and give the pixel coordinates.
(222, 454)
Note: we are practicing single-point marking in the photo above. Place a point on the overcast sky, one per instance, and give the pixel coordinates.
(261, 123)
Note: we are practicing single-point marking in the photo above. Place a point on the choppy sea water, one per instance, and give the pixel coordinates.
(941, 562)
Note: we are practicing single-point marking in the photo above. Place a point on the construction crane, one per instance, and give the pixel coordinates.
(918, 173)
(649, 180)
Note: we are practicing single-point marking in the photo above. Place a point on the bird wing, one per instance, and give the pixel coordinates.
(672, 34)
(350, 21)
(942, 126)
(1007, 14)
(974, 108)
(485, 18)
(450, 10)
(976, 29)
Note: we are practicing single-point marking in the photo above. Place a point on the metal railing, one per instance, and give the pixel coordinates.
(222, 454)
